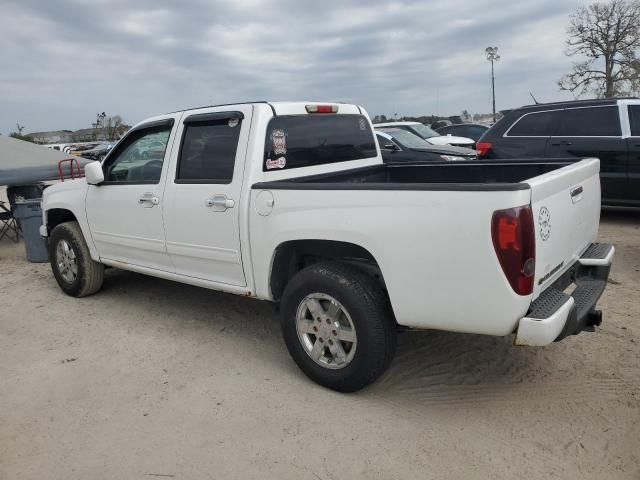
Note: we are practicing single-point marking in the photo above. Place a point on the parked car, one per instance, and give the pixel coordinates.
(440, 123)
(291, 203)
(98, 152)
(469, 130)
(79, 150)
(398, 145)
(607, 129)
(55, 146)
(428, 134)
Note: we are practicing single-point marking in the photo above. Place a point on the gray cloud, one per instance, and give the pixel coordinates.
(62, 61)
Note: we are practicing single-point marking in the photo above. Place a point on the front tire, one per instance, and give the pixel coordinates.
(338, 326)
(77, 274)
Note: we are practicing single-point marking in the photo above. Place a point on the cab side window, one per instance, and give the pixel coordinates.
(208, 149)
(634, 120)
(139, 159)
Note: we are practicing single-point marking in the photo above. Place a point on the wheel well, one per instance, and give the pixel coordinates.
(56, 216)
(293, 256)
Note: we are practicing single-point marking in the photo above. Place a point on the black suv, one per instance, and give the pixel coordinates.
(608, 129)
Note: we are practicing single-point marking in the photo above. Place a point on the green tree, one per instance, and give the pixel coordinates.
(18, 134)
(26, 138)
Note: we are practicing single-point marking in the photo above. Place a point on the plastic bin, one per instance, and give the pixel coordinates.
(29, 213)
(21, 192)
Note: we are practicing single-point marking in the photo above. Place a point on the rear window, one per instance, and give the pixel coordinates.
(295, 141)
(589, 122)
(539, 124)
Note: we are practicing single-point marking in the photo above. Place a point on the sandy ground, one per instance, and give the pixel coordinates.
(153, 379)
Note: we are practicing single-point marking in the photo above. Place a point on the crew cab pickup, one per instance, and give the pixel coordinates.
(291, 203)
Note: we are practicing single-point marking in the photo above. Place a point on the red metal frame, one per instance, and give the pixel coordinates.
(74, 168)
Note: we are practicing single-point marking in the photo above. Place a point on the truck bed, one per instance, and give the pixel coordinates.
(474, 175)
(429, 229)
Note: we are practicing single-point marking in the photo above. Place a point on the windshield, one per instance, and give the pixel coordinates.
(406, 138)
(424, 131)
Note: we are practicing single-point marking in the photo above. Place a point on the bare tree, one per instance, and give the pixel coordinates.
(114, 127)
(606, 36)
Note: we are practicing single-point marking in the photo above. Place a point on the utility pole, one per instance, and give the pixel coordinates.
(492, 56)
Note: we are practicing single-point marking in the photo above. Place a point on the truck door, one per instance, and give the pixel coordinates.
(203, 194)
(125, 211)
(594, 131)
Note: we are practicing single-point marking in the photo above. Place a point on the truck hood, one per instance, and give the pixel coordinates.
(66, 186)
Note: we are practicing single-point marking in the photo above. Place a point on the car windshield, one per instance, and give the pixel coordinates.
(406, 138)
(424, 131)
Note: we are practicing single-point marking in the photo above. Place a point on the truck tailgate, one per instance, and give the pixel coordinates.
(566, 213)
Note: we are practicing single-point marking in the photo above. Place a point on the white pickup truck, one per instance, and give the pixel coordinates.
(291, 203)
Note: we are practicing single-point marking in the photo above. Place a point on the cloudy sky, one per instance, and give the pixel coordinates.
(61, 61)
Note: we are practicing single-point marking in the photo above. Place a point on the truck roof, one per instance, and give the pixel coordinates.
(280, 107)
(395, 124)
(583, 103)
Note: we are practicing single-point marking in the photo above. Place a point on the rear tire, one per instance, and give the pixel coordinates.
(75, 271)
(338, 326)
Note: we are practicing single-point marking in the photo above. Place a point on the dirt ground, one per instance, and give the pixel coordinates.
(154, 379)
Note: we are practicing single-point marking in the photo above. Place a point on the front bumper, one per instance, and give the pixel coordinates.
(555, 313)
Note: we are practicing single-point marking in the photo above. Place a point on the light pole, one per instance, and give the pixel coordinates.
(100, 123)
(492, 56)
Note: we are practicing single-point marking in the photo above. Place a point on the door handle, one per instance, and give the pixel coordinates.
(219, 203)
(562, 142)
(148, 200)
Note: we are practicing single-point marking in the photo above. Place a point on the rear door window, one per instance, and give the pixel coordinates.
(208, 149)
(589, 122)
(295, 141)
(634, 120)
(538, 124)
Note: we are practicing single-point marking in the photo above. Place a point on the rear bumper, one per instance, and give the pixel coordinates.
(556, 313)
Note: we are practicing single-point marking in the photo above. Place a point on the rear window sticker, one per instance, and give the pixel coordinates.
(280, 162)
(279, 141)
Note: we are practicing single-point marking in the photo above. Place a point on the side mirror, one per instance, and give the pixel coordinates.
(390, 146)
(93, 173)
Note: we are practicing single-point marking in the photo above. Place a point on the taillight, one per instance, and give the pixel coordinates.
(483, 148)
(514, 242)
(322, 108)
